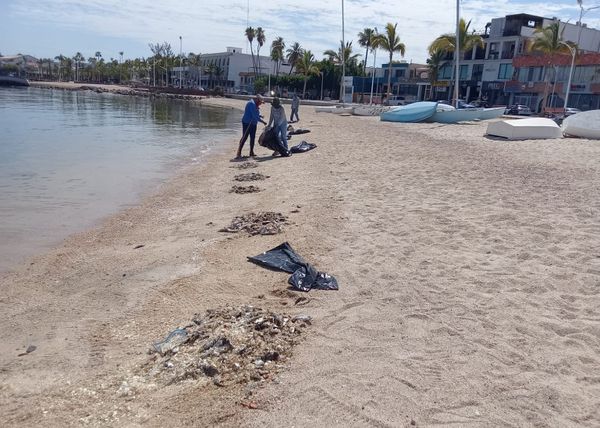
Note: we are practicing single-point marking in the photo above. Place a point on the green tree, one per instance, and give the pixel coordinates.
(548, 40)
(250, 35)
(466, 41)
(294, 53)
(78, 57)
(277, 48)
(365, 39)
(390, 42)
(260, 41)
(435, 60)
(306, 66)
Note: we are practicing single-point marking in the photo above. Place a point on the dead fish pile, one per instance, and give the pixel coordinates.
(251, 176)
(228, 346)
(246, 165)
(244, 189)
(266, 223)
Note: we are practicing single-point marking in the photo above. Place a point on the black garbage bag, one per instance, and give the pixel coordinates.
(269, 139)
(304, 276)
(299, 131)
(302, 147)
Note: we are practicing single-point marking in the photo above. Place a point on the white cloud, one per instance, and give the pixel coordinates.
(210, 26)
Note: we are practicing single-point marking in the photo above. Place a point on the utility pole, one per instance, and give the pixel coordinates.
(180, 60)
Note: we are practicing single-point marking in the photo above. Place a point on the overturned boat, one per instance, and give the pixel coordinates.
(411, 113)
(585, 125)
(524, 129)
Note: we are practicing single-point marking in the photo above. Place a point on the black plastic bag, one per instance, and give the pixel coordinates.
(304, 276)
(302, 147)
(299, 131)
(269, 139)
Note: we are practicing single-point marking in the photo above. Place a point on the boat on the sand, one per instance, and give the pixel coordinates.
(415, 112)
(524, 129)
(585, 125)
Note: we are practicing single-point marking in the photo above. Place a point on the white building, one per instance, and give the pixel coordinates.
(485, 71)
(232, 70)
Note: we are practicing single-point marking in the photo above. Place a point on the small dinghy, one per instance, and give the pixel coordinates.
(585, 125)
(525, 129)
(415, 112)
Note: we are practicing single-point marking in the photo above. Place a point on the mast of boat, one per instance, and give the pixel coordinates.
(457, 54)
(343, 86)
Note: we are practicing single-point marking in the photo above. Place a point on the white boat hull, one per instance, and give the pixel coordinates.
(525, 129)
(585, 125)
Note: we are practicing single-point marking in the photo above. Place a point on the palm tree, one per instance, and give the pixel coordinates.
(466, 41)
(78, 57)
(306, 66)
(344, 54)
(277, 47)
(433, 64)
(548, 40)
(390, 42)
(293, 55)
(260, 41)
(210, 69)
(250, 34)
(365, 39)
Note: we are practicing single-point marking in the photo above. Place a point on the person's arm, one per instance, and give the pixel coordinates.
(271, 118)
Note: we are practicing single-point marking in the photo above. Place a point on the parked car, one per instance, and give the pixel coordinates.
(518, 109)
(395, 100)
(571, 110)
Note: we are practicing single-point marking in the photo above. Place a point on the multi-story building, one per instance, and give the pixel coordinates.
(504, 72)
(232, 70)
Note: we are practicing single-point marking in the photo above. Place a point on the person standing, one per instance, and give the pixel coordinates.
(249, 122)
(295, 107)
(279, 121)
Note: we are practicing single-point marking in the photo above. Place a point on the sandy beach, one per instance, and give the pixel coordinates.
(469, 274)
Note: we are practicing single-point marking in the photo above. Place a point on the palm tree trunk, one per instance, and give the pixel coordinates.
(304, 90)
(365, 64)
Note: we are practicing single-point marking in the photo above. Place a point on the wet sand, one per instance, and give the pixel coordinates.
(469, 276)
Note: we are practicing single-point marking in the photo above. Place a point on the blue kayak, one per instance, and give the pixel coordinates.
(415, 112)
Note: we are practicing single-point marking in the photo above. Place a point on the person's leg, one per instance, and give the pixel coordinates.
(245, 131)
(252, 136)
(296, 114)
(282, 134)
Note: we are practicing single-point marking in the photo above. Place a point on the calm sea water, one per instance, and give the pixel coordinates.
(70, 158)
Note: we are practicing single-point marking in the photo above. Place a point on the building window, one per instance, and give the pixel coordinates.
(493, 54)
(445, 71)
(505, 71)
(464, 72)
(477, 72)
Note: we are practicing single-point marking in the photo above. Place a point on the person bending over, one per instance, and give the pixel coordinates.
(249, 122)
(279, 121)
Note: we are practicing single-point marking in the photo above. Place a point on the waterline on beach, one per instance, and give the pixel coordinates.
(70, 158)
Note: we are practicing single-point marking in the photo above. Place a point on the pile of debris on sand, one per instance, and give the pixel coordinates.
(246, 165)
(227, 346)
(264, 223)
(244, 189)
(250, 176)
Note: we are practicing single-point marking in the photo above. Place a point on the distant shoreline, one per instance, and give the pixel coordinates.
(119, 89)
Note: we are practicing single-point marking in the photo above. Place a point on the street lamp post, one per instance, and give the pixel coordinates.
(180, 59)
(343, 85)
(574, 50)
(321, 73)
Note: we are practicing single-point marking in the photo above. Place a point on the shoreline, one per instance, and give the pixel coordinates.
(169, 167)
(467, 271)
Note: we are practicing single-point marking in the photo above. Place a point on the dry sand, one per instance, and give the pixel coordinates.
(469, 274)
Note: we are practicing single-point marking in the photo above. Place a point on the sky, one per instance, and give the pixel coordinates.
(47, 28)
